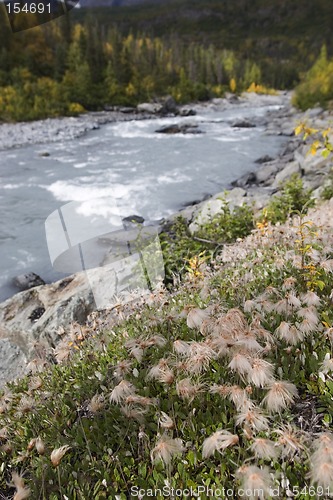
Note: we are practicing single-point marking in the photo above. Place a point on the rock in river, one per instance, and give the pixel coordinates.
(243, 123)
(186, 128)
(28, 280)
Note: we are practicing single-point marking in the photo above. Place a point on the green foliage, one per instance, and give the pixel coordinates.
(316, 87)
(180, 245)
(292, 198)
(228, 224)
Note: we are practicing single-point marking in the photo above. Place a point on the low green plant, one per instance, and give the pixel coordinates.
(228, 224)
(180, 245)
(292, 198)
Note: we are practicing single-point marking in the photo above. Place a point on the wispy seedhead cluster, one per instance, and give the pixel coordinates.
(195, 380)
(218, 441)
(321, 460)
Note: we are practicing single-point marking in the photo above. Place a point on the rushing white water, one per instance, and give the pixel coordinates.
(124, 168)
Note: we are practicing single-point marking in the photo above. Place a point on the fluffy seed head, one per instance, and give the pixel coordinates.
(311, 299)
(240, 364)
(309, 313)
(249, 343)
(187, 390)
(200, 355)
(253, 417)
(196, 317)
(264, 449)
(261, 372)
(96, 403)
(281, 394)
(165, 449)
(218, 441)
(239, 397)
(289, 441)
(323, 447)
(255, 481)
(58, 454)
(181, 347)
(121, 391)
(122, 369)
(293, 300)
(165, 421)
(21, 491)
(289, 333)
(40, 446)
(322, 475)
(327, 365)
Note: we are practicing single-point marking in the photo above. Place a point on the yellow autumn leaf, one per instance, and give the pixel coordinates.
(299, 129)
(314, 147)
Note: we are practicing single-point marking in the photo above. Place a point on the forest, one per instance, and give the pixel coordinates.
(99, 57)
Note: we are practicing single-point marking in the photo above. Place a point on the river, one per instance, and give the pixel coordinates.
(123, 168)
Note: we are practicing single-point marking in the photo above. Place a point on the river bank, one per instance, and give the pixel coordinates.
(32, 321)
(15, 135)
(50, 130)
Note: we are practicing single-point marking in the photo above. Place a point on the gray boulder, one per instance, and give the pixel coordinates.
(176, 128)
(187, 112)
(290, 169)
(151, 108)
(31, 319)
(246, 180)
(169, 106)
(13, 361)
(243, 123)
(264, 159)
(27, 281)
(265, 174)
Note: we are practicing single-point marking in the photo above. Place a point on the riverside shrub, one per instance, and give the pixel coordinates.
(292, 198)
(316, 87)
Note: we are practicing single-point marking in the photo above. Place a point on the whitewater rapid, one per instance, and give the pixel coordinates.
(123, 168)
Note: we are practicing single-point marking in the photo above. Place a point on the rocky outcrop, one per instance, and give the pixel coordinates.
(169, 107)
(27, 281)
(264, 159)
(152, 108)
(186, 128)
(31, 319)
(164, 107)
